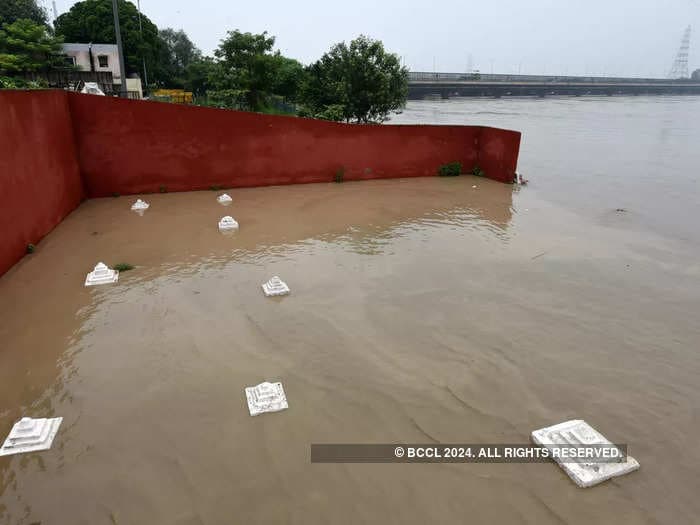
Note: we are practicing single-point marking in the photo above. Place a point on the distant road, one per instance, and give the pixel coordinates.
(445, 85)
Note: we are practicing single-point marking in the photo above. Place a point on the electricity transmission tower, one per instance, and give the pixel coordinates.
(679, 69)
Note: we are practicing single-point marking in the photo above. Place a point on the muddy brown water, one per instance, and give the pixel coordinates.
(422, 310)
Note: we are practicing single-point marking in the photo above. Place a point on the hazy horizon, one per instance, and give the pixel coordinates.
(624, 38)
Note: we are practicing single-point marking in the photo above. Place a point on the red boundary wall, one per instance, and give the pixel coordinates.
(57, 147)
(128, 146)
(39, 174)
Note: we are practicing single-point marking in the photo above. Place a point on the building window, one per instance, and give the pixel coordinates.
(70, 61)
(103, 60)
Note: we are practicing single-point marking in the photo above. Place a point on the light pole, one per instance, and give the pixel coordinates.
(120, 50)
(143, 58)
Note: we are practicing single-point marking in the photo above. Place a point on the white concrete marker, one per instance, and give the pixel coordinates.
(139, 205)
(30, 435)
(579, 433)
(224, 199)
(265, 397)
(275, 287)
(228, 223)
(101, 275)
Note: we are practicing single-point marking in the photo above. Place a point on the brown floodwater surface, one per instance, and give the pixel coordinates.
(422, 311)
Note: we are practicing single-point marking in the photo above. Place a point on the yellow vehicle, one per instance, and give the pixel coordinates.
(177, 96)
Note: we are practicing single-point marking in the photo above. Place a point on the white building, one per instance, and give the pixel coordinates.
(101, 57)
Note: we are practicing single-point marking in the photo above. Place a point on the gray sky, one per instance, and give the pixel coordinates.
(613, 37)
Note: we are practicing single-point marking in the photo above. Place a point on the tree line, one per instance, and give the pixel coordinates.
(355, 82)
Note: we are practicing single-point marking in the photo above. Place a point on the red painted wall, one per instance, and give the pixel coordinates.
(498, 153)
(39, 176)
(130, 146)
(57, 147)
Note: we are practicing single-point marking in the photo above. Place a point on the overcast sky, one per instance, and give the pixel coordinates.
(612, 37)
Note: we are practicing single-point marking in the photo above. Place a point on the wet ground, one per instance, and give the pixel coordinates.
(422, 310)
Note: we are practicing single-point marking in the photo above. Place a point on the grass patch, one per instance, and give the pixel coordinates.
(30, 248)
(115, 194)
(339, 175)
(451, 169)
(163, 189)
(123, 267)
(215, 187)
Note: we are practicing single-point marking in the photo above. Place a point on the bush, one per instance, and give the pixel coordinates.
(339, 175)
(20, 83)
(477, 171)
(123, 267)
(332, 112)
(30, 248)
(451, 169)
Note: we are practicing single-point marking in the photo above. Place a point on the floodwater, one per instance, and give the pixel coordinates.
(422, 310)
(590, 154)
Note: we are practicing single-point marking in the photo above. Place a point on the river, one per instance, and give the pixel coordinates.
(594, 154)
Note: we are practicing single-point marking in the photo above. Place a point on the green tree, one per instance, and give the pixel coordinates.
(13, 10)
(245, 69)
(93, 21)
(178, 53)
(289, 78)
(360, 82)
(197, 75)
(27, 46)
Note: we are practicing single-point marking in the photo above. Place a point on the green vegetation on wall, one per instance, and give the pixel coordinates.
(20, 83)
(451, 169)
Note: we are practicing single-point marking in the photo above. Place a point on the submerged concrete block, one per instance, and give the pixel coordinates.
(228, 223)
(139, 205)
(224, 199)
(30, 435)
(274, 287)
(576, 433)
(265, 397)
(101, 275)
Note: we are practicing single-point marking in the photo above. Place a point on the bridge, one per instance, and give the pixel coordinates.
(446, 85)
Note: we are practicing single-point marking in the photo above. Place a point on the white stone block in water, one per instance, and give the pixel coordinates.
(228, 223)
(579, 433)
(274, 287)
(224, 199)
(139, 205)
(102, 274)
(31, 435)
(266, 397)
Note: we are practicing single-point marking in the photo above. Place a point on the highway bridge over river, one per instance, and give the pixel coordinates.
(446, 85)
